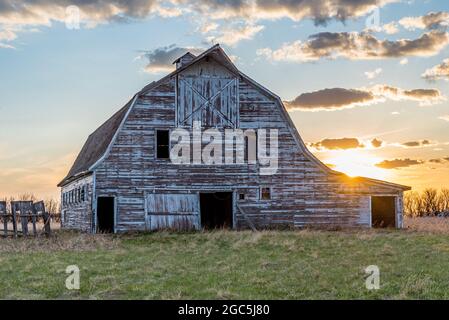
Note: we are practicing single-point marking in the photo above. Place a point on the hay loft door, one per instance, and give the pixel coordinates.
(208, 93)
(172, 211)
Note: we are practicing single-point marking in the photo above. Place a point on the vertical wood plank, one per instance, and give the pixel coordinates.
(14, 220)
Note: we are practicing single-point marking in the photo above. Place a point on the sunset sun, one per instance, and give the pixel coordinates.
(357, 164)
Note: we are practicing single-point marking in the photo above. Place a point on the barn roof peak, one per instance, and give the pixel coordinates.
(215, 52)
(184, 59)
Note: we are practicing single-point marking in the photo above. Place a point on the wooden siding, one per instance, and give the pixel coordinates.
(78, 216)
(302, 192)
(207, 93)
(172, 211)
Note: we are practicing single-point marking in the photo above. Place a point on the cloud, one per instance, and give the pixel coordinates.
(6, 46)
(356, 46)
(340, 98)
(436, 160)
(431, 21)
(337, 144)
(415, 144)
(44, 12)
(93, 12)
(398, 163)
(345, 144)
(389, 28)
(373, 74)
(161, 59)
(321, 11)
(439, 72)
(376, 143)
(331, 99)
(208, 26)
(232, 35)
(425, 97)
(19, 16)
(445, 117)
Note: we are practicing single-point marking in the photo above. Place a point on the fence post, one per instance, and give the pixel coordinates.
(24, 221)
(14, 221)
(33, 219)
(5, 224)
(47, 218)
(4, 215)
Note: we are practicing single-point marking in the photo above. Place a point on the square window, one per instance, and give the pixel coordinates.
(265, 193)
(241, 196)
(162, 144)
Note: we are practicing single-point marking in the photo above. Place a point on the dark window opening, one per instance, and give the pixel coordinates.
(241, 196)
(83, 194)
(265, 194)
(105, 214)
(162, 144)
(216, 210)
(383, 212)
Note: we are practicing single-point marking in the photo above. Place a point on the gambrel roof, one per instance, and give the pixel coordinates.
(98, 143)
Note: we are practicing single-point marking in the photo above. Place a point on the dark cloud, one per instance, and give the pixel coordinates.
(330, 99)
(430, 21)
(338, 144)
(436, 160)
(398, 163)
(321, 11)
(439, 72)
(357, 46)
(339, 98)
(161, 59)
(414, 144)
(376, 143)
(42, 12)
(422, 93)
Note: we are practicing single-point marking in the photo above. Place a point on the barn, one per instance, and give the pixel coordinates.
(151, 165)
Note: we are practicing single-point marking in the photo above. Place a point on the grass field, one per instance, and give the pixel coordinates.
(232, 265)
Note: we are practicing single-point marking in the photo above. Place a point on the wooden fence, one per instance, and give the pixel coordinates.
(24, 218)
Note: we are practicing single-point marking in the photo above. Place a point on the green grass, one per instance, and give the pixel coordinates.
(228, 265)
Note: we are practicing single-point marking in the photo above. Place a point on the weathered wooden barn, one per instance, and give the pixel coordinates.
(123, 179)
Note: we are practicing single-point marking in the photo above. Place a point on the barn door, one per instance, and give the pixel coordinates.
(172, 211)
(207, 93)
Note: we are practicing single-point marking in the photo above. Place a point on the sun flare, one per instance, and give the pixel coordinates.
(357, 164)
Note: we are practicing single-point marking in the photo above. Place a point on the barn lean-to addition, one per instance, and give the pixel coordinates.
(123, 178)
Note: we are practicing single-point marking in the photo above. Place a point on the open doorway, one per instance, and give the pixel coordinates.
(216, 210)
(383, 212)
(105, 214)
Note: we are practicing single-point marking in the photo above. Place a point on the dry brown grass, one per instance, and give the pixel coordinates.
(427, 224)
(59, 241)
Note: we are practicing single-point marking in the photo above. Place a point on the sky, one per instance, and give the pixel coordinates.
(365, 82)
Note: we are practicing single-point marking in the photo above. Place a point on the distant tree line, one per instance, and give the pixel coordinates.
(430, 202)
